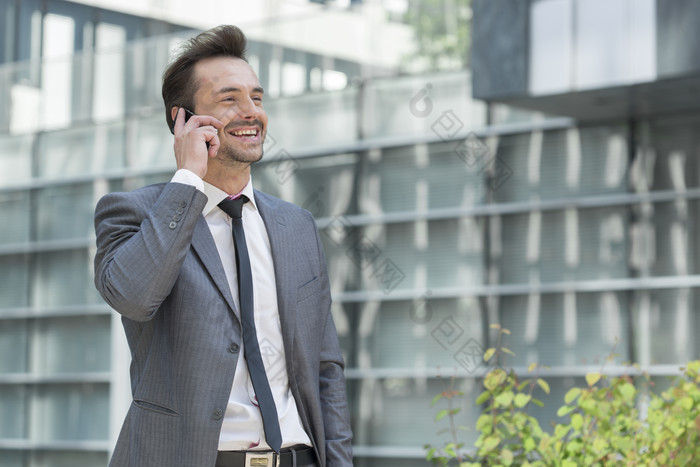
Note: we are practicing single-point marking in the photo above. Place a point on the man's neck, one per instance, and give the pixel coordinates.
(231, 181)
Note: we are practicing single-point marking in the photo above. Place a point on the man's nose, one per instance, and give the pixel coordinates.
(247, 109)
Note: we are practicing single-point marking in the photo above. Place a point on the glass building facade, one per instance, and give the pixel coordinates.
(440, 215)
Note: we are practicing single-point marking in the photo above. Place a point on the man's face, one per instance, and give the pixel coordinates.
(228, 89)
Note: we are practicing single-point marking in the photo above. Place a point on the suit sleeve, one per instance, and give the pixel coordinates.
(142, 239)
(336, 418)
(334, 405)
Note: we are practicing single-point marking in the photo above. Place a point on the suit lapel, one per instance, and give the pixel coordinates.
(203, 244)
(283, 260)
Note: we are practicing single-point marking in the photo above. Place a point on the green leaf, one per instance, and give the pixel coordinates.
(491, 442)
(495, 326)
(505, 331)
(521, 400)
(622, 443)
(436, 398)
(573, 447)
(483, 397)
(577, 421)
(693, 367)
(440, 415)
(537, 402)
(600, 445)
(543, 384)
(529, 444)
(489, 353)
(588, 405)
(561, 431)
(504, 399)
(565, 410)
(687, 403)
(531, 367)
(507, 456)
(592, 378)
(627, 391)
(508, 351)
(571, 395)
(483, 420)
(494, 378)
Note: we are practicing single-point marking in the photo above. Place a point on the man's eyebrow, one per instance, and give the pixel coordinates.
(257, 89)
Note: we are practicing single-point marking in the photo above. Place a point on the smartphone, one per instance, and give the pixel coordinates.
(188, 114)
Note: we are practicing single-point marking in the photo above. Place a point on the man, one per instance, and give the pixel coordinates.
(219, 380)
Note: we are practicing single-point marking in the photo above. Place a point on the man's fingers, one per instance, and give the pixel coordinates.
(212, 138)
(195, 121)
(213, 145)
(205, 120)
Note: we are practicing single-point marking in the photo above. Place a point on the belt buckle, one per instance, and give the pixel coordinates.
(263, 459)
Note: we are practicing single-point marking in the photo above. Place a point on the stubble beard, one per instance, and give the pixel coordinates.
(233, 157)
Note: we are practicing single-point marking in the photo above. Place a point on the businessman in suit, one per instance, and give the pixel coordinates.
(191, 293)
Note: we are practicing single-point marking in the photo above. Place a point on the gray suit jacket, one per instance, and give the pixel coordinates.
(157, 265)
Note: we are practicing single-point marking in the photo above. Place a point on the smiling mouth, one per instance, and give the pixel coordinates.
(249, 133)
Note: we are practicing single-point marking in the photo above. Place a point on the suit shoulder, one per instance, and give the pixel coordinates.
(281, 205)
(147, 194)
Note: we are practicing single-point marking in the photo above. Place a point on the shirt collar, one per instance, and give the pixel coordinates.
(216, 195)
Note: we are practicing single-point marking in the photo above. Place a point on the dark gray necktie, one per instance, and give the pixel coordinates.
(234, 207)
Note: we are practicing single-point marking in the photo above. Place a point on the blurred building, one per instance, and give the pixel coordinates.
(553, 190)
(593, 240)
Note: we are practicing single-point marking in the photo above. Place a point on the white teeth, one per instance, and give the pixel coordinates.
(245, 133)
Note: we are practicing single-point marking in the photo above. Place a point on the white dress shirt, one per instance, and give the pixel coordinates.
(242, 427)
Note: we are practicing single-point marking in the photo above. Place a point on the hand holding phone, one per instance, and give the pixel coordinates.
(188, 114)
(190, 153)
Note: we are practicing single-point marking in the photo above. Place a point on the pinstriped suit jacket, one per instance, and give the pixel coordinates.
(157, 265)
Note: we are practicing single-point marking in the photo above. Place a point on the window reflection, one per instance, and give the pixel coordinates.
(14, 281)
(62, 412)
(57, 71)
(71, 345)
(13, 406)
(63, 278)
(64, 212)
(108, 93)
(569, 329)
(594, 44)
(15, 159)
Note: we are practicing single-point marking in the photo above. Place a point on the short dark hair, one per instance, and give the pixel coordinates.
(178, 82)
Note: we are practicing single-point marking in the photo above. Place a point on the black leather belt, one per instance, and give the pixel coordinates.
(304, 456)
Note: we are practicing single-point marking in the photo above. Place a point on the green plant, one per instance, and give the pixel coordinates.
(442, 34)
(603, 423)
(453, 448)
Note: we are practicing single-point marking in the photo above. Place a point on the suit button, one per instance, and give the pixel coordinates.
(234, 348)
(177, 217)
(218, 413)
(183, 204)
(172, 225)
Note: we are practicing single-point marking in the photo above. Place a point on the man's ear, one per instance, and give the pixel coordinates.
(173, 112)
